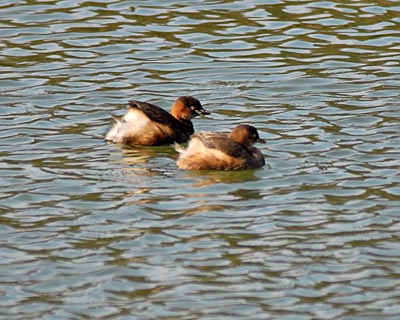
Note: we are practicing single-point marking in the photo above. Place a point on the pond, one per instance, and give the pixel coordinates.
(94, 230)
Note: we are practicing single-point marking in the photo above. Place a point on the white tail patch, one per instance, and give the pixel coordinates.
(179, 148)
(132, 122)
(116, 118)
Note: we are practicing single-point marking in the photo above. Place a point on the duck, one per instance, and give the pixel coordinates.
(222, 151)
(146, 124)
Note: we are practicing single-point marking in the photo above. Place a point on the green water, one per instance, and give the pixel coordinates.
(91, 230)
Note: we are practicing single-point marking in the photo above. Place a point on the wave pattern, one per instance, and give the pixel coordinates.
(93, 230)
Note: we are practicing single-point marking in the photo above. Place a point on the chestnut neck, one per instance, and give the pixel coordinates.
(180, 111)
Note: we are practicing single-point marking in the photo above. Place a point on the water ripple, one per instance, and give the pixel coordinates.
(94, 230)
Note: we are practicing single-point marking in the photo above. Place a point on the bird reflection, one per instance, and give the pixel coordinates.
(140, 160)
(211, 177)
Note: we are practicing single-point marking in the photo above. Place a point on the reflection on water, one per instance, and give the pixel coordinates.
(96, 230)
(209, 178)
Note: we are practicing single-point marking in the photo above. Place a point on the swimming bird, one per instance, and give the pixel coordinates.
(149, 125)
(222, 151)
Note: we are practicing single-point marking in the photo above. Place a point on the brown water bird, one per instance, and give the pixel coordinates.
(149, 125)
(222, 151)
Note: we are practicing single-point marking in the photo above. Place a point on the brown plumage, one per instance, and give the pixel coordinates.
(222, 151)
(149, 125)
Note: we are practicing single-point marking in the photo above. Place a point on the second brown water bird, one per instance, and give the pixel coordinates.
(222, 151)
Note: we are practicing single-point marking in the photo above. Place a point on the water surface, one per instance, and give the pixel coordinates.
(91, 230)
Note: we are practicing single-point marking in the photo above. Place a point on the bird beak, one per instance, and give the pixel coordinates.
(259, 140)
(202, 112)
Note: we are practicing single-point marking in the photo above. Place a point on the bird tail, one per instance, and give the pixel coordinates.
(116, 118)
(179, 147)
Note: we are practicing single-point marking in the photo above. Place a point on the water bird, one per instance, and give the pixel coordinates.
(222, 151)
(146, 124)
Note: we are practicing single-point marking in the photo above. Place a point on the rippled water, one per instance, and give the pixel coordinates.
(94, 230)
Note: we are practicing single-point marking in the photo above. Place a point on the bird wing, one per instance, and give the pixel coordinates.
(221, 142)
(153, 112)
